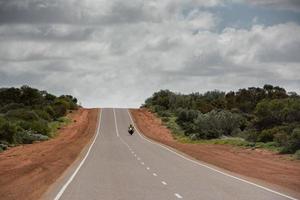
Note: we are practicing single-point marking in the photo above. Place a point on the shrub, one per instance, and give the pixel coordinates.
(250, 135)
(185, 115)
(8, 132)
(269, 113)
(266, 136)
(11, 106)
(23, 114)
(165, 119)
(217, 123)
(194, 136)
(60, 108)
(229, 121)
(70, 100)
(281, 138)
(293, 143)
(158, 108)
(50, 111)
(297, 155)
(28, 136)
(164, 113)
(38, 127)
(186, 118)
(43, 114)
(278, 111)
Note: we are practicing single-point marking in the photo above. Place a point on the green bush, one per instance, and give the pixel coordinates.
(250, 135)
(165, 119)
(70, 100)
(11, 106)
(277, 111)
(266, 136)
(281, 138)
(8, 132)
(22, 114)
(265, 116)
(293, 143)
(50, 111)
(60, 108)
(26, 114)
(164, 113)
(38, 127)
(43, 115)
(297, 155)
(217, 123)
(158, 108)
(28, 136)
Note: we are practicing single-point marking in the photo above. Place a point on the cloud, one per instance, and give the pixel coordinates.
(293, 5)
(117, 53)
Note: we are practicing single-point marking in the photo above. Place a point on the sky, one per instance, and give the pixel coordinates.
(117, 53)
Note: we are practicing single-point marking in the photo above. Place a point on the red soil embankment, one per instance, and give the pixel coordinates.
(27, 171)
(259, 164)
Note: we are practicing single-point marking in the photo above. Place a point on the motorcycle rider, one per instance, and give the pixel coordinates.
(130, 129)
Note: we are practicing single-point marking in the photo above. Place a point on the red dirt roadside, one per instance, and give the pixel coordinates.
(27, 171)
(258, 164)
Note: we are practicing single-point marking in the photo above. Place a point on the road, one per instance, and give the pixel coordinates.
(123, 167)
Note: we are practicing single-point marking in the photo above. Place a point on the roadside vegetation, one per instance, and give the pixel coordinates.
(28, 115)
(267, 117)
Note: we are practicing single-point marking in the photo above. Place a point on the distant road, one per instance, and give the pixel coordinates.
(123, 167)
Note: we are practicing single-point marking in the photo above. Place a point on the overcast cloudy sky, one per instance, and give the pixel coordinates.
(118, 52)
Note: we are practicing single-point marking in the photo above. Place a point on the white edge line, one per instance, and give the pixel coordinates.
(59, 194)
(211, 168)
(117, 130)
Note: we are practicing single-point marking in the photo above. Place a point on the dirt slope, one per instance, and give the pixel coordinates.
(258, 164)
(27, 171)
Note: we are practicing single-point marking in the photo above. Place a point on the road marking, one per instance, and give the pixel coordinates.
(134, 155)
(117, 131)
(61, 191)
(142, 163)
(206, 166)
(148, 168)
(154, 174)
(163, 182)
(132, 152)
(178, 196)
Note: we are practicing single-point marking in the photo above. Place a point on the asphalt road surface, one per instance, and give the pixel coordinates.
(119, 166)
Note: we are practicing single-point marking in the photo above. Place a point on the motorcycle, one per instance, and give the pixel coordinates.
(130, 131)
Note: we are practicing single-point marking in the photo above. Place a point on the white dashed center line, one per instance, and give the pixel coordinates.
(154, 174)
(148, 168)
(178, 196)
(163, 182)
(142, 163)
